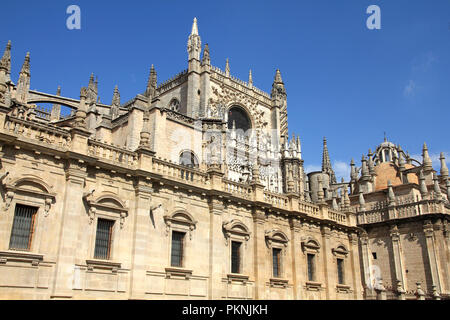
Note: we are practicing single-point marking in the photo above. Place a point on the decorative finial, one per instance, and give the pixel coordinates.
(250, 78)
(227, 68)
(194, 27)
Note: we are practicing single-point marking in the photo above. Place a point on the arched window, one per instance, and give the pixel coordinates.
(239, 117)
(188, 159)
(174, 105)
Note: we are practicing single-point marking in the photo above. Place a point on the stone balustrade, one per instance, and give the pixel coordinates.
(237, 189)
(123, 157)
(277, 200)
(171, 170)
(112, 153)
(400, 211)
(39, 132)
(337, 216)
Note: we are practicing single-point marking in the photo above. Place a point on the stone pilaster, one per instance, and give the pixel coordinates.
(326, 235)
(431, 252)
(260, 255)
(298, 275)
(369, 282)
(217, 252)
(398, 261)
(141, 239)
(71, 217)
(354, 261)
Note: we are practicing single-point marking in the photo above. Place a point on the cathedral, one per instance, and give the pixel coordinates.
(194, 189)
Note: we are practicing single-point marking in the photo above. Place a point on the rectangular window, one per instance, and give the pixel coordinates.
(103, 239)
(235, 257)
(276, 262)
(23, 228)
(311, 267)
(374, 255)
(177, 249)
(340, 271)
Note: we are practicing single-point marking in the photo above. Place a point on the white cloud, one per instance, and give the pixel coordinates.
(409, 89)
(341, 170)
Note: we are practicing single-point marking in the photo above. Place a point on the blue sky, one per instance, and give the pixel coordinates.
(344, 81)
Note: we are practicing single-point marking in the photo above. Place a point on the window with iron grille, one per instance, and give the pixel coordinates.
(276, 254)
(340, 271)
(103, 239)
(311, 266)
(177, 249)
(23, 228)
(235, 257)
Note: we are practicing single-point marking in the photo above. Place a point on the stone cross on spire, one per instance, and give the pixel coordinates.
(326, 163)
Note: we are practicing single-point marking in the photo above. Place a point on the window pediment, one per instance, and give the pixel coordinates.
(107, 202)
(236, 229)
(29, 184)
(276, 236)
(340, 250)
(310, 245)
(182, 221)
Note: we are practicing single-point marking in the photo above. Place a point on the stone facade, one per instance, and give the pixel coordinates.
(203, 155)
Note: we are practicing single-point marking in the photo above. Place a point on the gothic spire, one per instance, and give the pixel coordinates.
(26, 65)
(227, 68)
(56, 108)
(152, 83)
(278, 95)
(326, 163)
(5, 62)
(194, 45)
(116, 97)
(250, 78)
(23, 85)
(92, 88)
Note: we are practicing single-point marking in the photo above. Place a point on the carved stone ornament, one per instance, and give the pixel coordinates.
(237, 229)
(107, 202)
(29, 185)
(182, 220)
(276, 236)
(412, 237)
(340, 250)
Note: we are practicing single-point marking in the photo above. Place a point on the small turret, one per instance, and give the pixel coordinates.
(23, 85)
(423, 186)
(426, 163)
(227, 68)
(444, 169)
(437, 188)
